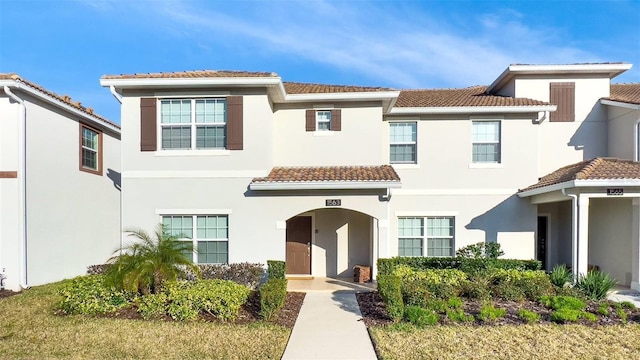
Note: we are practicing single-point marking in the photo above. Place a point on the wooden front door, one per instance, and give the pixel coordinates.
(299, 245)
(541, 251)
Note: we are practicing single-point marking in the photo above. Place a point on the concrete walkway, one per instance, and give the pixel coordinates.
(625, 294)
(329, 326)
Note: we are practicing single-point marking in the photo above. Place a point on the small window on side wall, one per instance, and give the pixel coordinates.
(90, 150)
(323, 120)
(403, 142)
(486, 142)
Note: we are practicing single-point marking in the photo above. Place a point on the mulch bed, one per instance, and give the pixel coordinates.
(374, 312)
(249, 313)
(6, 293)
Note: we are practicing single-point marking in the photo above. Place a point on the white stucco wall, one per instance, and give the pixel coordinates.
(610, 237)
(620, 131)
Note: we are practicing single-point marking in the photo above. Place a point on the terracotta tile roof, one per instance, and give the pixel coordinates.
(594, 169)
(627, 93)
(305, 88)
(192, 74)
(330, 173)
(471, 96)
(62, 98)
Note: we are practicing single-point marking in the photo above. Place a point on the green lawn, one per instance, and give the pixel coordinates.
(29, 329)
(508, 342)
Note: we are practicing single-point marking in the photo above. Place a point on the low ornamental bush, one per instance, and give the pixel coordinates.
(565, 315)
(563, 302)
(516, 285)
(561, 276)
(528, 316)
(420, 317)
(467, 265)
(595, 284)
(89, 295)
(247, 274)
(276, 269)
(415, 292)
(389, 288)
(219, 298)
(489, 313)
(273, 294)
(477, 287)
(152, 306)
(458, 315)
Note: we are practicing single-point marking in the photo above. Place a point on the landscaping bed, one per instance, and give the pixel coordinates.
(374, 312)
(7, 293)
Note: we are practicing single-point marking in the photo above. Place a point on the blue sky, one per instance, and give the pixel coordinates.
(67, 45)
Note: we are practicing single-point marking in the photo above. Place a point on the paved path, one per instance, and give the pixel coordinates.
(621, 295)
(329, 326)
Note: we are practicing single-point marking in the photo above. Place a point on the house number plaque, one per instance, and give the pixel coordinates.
(333, 202)
(615, 192)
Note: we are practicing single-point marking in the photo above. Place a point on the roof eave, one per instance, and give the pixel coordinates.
(324, 185)
(612, 70)
(620, 104)
(579, 183)
(471, 109)
(360, 96)
(196, 82)
(58, 103)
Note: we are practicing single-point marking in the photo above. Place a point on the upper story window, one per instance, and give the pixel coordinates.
(403, 142)
(90, 150)
(323, 120)
(486, 142)
(436, 232)
(193, 124)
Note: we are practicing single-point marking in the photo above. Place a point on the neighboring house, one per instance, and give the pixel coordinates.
(59, 185)
(252, 168)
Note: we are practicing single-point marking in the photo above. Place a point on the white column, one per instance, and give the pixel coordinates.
(375, 239)
(635, 244)
(583, 234)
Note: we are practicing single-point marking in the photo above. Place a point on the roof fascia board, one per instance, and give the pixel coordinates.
(58, 103)
(612, 70)
(334, 185)
(580, 183)
(620, 104)
(368, 95)
(472, 109)
(179, 82)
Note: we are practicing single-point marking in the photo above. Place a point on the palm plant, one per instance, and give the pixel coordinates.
(147, 263)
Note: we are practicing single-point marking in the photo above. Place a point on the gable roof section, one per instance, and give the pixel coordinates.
(328, 177)
(63, 100)
(626, 93)
(594, 169)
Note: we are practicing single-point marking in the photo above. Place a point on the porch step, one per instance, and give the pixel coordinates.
(298, 277)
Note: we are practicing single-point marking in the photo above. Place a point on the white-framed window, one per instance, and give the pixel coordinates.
(193, 123)
(431, 236)
(403, 138)
(323, 120)
(209, 234)
(90, 150)
(486, 142)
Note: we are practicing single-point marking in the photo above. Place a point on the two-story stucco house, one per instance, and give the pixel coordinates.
(325, 177)
(59, 185)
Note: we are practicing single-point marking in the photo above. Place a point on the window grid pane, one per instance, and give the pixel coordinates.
(409, 247)
(175, 111)
(211, 111)
(210, 137)
(180, 226)
(213, 252)
(176, 137)
(90, 159)
(440, 236)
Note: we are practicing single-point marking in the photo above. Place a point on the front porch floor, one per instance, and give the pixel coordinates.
(329, 285)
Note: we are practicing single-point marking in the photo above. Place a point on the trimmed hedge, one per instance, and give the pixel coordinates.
(390, 289)
(276, 269)
(220, 298)
(273, 294)
(467, 265)
(89, 295)
(248, 274)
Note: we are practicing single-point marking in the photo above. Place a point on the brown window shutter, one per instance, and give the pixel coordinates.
(563, 94)
(234, 123)
(148, 124)
(336, 120)
(311, 120)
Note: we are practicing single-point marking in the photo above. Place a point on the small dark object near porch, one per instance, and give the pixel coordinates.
(361, 274)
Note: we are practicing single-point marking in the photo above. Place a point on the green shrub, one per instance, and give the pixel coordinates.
(276, 269)
(622, 315)
(508, 290)
(247, 274)
(536, 284)
(389, 288)
(437, 305)
(595, 284)
(528, 316)
(273, 294)
(90, 295)
(469, 266)
(457, 315)
(489, 313)
(219, 298)
(565, 315)
(454, 303)
(415, 292)
(420, 317)
(152, 306)
(560, 276)
(628, 305)
(563, 302)
(480, 250)
(477, 287)
(603, 309)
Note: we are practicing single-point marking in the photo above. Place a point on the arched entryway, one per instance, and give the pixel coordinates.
(330, 242)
